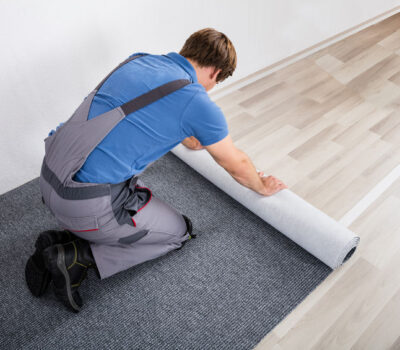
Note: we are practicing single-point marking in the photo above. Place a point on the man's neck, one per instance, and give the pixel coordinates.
(202, 73)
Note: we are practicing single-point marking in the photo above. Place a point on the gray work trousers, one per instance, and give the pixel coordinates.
(124, 223)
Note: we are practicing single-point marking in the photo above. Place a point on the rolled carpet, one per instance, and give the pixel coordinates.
(319, 234)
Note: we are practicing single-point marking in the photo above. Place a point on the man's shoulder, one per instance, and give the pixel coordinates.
(202, 101)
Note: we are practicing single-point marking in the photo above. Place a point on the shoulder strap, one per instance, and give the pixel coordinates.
(153, 95)
(148, 97)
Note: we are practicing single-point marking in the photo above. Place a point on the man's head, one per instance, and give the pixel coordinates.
(212, 55)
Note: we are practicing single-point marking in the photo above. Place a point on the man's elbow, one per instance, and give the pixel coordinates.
(192, 143)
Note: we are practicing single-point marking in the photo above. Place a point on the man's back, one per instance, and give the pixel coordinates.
(144, 136)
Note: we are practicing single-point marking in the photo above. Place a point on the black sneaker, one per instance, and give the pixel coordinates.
(68, 264)
(36, 275)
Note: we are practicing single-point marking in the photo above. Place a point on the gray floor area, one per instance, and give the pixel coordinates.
(226, 289)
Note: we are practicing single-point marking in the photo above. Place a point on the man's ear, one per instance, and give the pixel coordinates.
(214, 73)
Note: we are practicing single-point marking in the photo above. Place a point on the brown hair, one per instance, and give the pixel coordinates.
(208, 47)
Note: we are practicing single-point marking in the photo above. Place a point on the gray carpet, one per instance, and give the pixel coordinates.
(226, 289)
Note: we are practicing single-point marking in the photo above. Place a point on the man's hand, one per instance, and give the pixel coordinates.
(271, 184)
(192, 143)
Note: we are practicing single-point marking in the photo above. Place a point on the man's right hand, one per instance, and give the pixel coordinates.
(272, 185)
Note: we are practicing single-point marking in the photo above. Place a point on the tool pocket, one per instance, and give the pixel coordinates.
(127, 199)
(78, 224)
(145, 194)
(137, 199)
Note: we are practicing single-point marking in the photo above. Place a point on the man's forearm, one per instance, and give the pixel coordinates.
(246, 174)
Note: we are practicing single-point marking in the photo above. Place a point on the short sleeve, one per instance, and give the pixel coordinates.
(138, 53)
(53, 131)
(204, 120)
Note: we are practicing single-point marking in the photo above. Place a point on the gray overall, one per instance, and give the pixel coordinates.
(124, 223)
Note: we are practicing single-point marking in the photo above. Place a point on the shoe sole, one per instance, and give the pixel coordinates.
(37, 278)
(62, 267)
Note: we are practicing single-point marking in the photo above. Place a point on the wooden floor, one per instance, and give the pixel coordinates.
(329, 127)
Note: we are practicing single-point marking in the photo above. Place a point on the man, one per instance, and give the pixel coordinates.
(89, 177)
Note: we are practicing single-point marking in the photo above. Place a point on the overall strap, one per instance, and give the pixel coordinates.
(148, 97)
(153, 95)
(100, 126)
(68, 148)
(82, 112)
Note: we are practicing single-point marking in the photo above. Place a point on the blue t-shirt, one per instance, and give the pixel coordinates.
(145, 135)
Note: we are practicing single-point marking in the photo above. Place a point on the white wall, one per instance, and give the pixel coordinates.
(53, 53)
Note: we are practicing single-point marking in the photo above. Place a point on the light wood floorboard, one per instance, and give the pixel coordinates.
(328, 125)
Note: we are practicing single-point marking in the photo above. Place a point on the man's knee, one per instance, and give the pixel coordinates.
(159, 216)
(179, 225)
